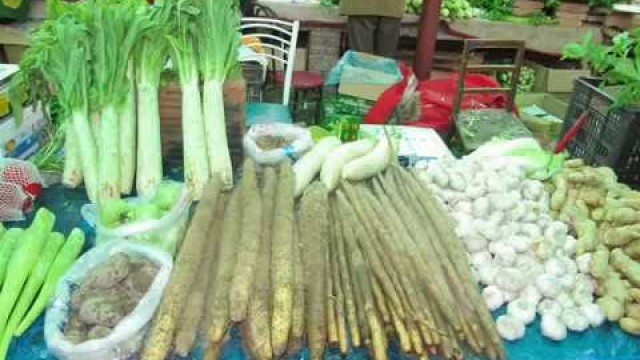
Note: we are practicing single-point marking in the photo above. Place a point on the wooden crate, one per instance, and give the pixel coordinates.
(622, 21)
(450, 61)
(596, 16)
(575, 8)
(526, 7)
(570, 19)
(171, 124)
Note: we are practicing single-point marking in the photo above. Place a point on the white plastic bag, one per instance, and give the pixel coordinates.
(300, 143)
(126, 338)
(165, 233)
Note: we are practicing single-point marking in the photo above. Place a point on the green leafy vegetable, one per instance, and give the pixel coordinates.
(617, 64)
(167, 195)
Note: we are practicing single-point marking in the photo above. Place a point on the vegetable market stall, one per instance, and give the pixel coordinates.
(606, 342)
(333, 244)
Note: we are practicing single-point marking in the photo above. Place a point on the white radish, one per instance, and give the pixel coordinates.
(369, 165)
(309, 165)
(331, 171)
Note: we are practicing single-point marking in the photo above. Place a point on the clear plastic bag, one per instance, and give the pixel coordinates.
(165, 233)
(126, 338)
(300, 142)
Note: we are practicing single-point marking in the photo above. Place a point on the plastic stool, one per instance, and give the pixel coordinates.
(305, 83)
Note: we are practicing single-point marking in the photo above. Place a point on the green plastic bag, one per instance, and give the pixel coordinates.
(14, 10)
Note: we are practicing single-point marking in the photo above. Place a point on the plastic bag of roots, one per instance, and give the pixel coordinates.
(105, 302)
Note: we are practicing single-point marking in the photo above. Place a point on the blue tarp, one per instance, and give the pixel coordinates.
(607, 342)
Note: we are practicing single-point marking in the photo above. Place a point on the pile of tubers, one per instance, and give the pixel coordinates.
(371, 261)
(606, 217)
(110, 292)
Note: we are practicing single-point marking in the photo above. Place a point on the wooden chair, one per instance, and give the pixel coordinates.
(489, 123)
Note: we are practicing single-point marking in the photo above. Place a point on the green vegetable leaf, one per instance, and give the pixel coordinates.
(573, 51)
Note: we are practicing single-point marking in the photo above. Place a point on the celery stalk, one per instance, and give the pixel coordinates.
(72, 174)
(127, 134)
(109, 169)
(88, 151)
(196, 165)
(216, 131)
(151, 58)
(218, 41)
(149, 171)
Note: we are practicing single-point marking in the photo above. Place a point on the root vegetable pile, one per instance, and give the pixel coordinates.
(372, 261)
(606, 217)
(524, 258)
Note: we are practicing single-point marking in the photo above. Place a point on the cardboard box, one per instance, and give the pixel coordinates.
(543, 114)
(553, 80)
(370, 82)
(526, 7)
(22, 141)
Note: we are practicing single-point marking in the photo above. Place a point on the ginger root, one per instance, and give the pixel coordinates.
(587, 231)
(633, 249)
(611, 307)
(629, 268)
(630, 325)
(632, 310)
(622, 235)
(559, 196)
(599, 267)
(623, 216)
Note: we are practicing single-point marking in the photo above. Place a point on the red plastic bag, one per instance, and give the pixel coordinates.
(382, 110)
(436, 96)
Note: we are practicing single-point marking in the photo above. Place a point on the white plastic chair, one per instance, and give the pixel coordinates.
(279, 39)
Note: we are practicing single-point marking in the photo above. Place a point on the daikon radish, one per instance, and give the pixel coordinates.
(309, 165)
(371, 164)
(331, 171)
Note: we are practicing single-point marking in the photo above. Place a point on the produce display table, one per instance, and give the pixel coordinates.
(604, 343)
(547, 40)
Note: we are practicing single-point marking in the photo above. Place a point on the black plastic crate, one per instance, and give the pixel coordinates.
(611, 137)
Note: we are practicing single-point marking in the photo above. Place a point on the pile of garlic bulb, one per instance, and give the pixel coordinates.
(522, 257)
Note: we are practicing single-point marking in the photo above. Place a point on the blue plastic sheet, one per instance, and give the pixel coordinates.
(353, 60)
(607, 342)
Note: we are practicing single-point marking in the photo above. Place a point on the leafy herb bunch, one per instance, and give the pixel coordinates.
(617, 63)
